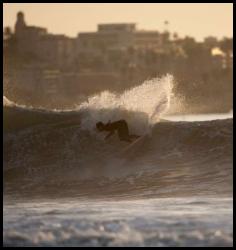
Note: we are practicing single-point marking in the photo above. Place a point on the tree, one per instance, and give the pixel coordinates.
(175, 36)
(7, 33)
(226, 45)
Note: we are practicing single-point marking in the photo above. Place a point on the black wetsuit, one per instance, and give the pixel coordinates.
(120, 126)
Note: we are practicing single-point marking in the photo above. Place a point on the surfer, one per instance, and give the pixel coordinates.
(120, 126)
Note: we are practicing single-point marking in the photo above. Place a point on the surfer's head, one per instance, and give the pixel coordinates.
(100, 126)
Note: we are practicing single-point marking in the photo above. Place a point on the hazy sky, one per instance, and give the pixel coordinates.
(196, 20)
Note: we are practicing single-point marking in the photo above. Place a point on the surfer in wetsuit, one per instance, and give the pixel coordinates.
(120, 126)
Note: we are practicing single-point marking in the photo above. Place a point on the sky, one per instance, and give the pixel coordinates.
(197, 20)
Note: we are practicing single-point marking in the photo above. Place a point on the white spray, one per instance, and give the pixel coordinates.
(141, 106)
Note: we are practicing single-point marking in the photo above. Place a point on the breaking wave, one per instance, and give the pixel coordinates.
(59, 152)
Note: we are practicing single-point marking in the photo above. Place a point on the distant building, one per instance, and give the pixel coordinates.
(56, 50)
(108, 36)
(27, 37)
(148, 40)
(117, 36)
(117, 27)
(36, 43)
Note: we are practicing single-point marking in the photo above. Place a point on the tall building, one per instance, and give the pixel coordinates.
(20, 24)
(37, 44)
(107, 37)
(119, 36)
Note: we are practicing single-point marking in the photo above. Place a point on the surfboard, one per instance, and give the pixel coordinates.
(131, 148)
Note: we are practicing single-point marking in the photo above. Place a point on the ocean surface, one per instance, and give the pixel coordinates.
(65, 186)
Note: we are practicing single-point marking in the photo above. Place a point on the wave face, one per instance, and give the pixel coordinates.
(59, 152)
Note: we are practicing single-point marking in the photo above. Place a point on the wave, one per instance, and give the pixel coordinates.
(54, 152)
(176, 155)
(141, 106)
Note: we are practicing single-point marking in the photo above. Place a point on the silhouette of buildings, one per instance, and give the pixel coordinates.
(41, 67)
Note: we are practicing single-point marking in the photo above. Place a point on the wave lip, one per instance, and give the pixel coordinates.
(141, 106)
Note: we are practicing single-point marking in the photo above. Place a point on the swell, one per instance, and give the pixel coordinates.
(16, 118)
(177, 158)
(51, 151)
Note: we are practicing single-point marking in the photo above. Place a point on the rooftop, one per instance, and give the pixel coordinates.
(117, 27)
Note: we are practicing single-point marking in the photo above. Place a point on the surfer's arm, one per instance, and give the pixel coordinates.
(110, 134)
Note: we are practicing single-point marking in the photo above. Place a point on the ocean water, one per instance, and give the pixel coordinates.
(65, 186)
(191, 221)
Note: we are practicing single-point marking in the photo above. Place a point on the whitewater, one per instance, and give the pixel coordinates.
(65, 186)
